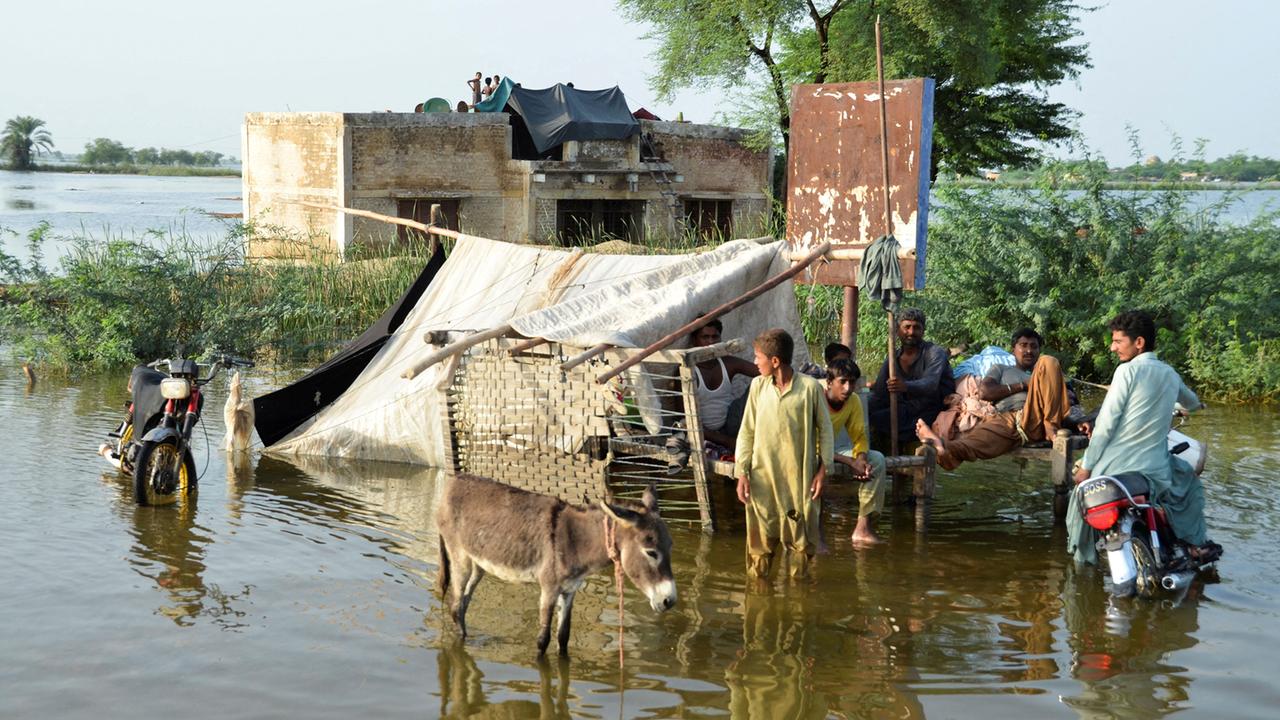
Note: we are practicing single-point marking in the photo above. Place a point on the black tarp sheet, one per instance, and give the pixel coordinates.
(276, 414)
(559, 113)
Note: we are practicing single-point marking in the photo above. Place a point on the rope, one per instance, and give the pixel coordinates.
(611, 547)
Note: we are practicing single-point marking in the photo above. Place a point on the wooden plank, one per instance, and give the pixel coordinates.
(693, 431)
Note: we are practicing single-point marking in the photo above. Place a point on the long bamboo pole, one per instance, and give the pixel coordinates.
(432, 229)
(888, 230)
(526, 345)
(454, 348)
(580, 358)
(698, 323)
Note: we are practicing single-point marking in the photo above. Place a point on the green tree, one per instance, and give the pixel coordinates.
(23, 135)
(993, 61)
(103, 151)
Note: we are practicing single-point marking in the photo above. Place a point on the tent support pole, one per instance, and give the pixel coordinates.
(580, 358)
(429, 229)
(523, 345)
(455, 348)
(702, 321)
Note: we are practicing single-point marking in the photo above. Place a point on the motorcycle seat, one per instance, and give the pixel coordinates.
(148, 403)
(1105, 489)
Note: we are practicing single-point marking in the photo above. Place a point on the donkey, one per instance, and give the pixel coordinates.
(524, 537)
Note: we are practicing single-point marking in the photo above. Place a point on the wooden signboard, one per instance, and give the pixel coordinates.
(835, 179)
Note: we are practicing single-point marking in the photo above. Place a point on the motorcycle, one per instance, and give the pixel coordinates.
(1142, 552)
(153, 442)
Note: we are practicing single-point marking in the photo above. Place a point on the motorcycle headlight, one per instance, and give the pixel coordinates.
(175, 388)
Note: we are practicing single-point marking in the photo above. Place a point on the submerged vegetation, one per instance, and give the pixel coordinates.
(1066, 261)
(114, 302)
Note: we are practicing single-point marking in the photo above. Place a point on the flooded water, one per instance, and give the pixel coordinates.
(289, 591)
(102, 206)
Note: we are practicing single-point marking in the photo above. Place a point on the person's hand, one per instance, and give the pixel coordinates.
(1081, 475)
(819, 479)
(845, 460)
(861, 469)
(896, 384)
(744, 490)
(1087, 428)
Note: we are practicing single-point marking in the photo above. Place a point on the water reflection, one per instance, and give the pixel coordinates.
(462, 694)
(1122, 649)
(169, 549)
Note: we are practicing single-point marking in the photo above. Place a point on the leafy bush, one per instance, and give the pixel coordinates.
(117, 301)
(1067, 261)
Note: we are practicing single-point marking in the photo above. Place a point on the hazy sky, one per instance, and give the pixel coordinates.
(176, 74)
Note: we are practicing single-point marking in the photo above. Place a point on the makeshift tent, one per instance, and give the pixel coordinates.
(567, 297)
(559, 113)
(277, 414)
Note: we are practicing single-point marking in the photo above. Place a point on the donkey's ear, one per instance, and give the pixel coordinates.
(650, 499)
(622, 515)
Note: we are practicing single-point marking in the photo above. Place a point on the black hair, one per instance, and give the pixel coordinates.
(912, 314)
(1136, 324)
(776, 342)
(712, 323)
(488, 81)
(843, 368)
(834, 350)
(1026, 332)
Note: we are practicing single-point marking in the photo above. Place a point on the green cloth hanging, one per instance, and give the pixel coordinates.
(880, 275)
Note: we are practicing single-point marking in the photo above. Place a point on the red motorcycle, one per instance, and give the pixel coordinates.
(164, 410)
(1142, 552)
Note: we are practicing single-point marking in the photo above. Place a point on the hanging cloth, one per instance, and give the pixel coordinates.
(879, 274)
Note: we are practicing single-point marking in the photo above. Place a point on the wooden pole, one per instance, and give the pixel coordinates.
(849, 319)
(526, 345)
(888, 230)
(454, 348)
(580, 358)
(443, 232)
(437, 221)
(700, 322)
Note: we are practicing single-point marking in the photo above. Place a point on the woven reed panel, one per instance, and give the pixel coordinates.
(522, 421)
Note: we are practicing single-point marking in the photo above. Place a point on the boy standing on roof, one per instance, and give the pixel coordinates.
(783, 452)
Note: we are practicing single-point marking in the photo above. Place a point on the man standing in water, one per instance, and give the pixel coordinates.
(782, 456)
(1131, 435)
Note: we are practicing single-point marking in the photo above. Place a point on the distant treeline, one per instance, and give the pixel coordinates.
(104, 151)
(1237, 167)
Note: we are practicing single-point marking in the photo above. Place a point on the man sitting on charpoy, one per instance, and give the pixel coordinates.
(1032, 403)
(720, 406)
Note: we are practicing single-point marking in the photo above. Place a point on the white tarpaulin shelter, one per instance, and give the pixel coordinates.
(570, 297)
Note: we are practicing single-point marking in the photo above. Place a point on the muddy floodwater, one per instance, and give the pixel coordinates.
(306, 591)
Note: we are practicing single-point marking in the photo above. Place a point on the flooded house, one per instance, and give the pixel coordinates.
(555, 166)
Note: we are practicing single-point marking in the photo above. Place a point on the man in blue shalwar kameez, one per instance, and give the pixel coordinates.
(1131, 435)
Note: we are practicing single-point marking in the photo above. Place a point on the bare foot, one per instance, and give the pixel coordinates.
(929, 437)
(867, 539)
(864, 533)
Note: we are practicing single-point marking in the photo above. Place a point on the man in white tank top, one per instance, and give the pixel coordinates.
(717, 410)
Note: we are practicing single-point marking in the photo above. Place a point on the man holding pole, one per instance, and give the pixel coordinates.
(923, 379)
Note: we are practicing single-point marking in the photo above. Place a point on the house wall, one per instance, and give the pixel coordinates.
(370, 161)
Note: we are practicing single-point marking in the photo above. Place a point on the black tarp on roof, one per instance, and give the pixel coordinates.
(559, 113)
(277, 414)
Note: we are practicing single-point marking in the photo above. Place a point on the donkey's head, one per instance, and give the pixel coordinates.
(644, 548)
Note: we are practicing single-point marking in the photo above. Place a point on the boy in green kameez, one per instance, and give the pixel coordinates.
(784, 448)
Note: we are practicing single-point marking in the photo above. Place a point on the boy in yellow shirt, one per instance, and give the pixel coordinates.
(852, 449)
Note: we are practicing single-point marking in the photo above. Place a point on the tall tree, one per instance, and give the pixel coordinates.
(993, 61)
(23, 135)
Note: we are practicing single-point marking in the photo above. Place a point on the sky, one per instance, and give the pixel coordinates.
(182, 75)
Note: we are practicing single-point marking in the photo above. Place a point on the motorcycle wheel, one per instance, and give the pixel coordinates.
(158, 476)
(1148, 580)
(122, 448)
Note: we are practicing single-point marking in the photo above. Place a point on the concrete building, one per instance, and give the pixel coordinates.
(668, 177)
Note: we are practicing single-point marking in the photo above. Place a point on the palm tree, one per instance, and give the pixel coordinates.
(21, 135)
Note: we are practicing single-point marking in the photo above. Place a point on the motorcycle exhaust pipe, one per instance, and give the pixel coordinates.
(1177, 580)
